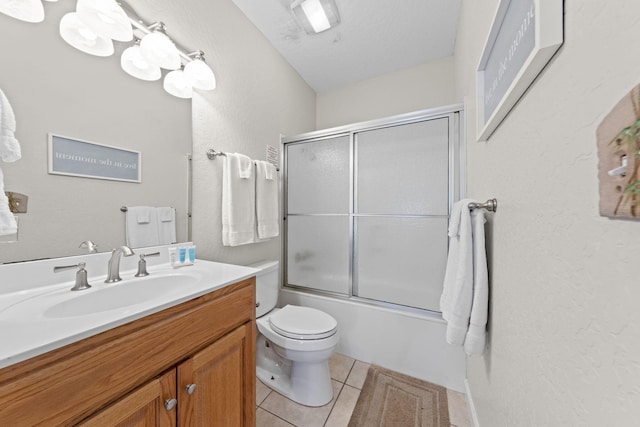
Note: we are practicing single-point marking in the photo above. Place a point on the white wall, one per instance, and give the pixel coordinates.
(564, 318)
(56, 88)
(424, 86)
(259, 96)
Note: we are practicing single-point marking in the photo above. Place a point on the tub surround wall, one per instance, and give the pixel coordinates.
(563, 330)
(421, 87)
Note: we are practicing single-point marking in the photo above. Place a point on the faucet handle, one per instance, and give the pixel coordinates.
(142, 264)
(81, 275)
(91, 247)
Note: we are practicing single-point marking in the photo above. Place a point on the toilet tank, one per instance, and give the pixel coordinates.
(266, 286)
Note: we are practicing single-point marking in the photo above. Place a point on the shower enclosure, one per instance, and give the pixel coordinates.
(366, 209)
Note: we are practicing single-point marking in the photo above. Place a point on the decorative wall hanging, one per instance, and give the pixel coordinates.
(618, 139)
(525, 34)
(74, 157)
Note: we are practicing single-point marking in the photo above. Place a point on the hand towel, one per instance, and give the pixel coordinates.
(245, 166)
(9, 152)
(457, 292)
(138, 232)
(238, 202)
(474, 342)
(8, 223)
(9, 146)
(166, 225)
(267, 212)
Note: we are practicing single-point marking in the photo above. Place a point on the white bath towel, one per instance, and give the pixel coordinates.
(457, 292)
(141, 226)
(9, 152)
(464, 300)
(267, 212)
(475, 339)
(166, 225)
(9, 146)
(238, 202)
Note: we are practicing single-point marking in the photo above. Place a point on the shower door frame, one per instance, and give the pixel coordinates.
(456, 180)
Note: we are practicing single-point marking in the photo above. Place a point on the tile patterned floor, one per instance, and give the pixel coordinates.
(348, 375)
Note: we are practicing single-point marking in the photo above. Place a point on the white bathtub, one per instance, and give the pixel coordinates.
(404, 342)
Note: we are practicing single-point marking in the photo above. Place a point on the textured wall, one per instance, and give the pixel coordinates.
(564, 319)
(424, 86)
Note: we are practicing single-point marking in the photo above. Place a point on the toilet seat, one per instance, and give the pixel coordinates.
(303, 323)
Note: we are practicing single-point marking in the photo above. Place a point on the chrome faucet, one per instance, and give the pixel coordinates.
(113, 271)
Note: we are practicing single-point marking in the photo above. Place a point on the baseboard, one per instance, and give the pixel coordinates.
(470, 405)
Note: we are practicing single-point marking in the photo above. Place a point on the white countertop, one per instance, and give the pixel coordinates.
(32, 313)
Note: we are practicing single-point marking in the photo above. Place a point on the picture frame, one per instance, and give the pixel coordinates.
(79, 158)
(524, 36)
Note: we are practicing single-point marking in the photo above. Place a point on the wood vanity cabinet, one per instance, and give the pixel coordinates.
(201, 353)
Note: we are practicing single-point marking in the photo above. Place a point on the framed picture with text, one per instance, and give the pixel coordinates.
(74, 157)
(524, 36)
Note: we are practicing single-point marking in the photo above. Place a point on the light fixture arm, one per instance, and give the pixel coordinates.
(146, 28)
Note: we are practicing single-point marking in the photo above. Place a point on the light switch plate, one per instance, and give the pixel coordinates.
(618, 137)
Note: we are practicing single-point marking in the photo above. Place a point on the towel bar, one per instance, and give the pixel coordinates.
(212, 154)
(491, 205)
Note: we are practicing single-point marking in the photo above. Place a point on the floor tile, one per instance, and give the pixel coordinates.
(266, 419)
(358, 374)
(262, 391)
(300, 415)
(458, 410)
(340, 366)
(342, 410)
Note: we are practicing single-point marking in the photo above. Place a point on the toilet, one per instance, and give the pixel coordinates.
(294, 343)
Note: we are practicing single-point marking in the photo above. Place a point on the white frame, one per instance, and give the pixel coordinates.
(548, 39)
(53, 171)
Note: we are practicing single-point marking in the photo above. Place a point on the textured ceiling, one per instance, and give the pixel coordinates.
(375, 37)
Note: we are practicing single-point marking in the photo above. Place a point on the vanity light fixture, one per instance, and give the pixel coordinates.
(199, 73)
(177, 84)
(79, 35)
(157, 48)
(24, 10)
(134, 64)
(316, 16)
(106, 18)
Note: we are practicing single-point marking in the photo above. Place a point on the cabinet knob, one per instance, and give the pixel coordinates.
(191, 388)
(170, 404)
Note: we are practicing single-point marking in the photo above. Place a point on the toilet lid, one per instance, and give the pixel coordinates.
(303, 323)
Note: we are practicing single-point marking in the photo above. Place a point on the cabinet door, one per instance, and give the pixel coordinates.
(216, 386)
(144, 407)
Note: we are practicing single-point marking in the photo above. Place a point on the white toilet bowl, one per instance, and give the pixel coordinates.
(297, 368)
(294, 344)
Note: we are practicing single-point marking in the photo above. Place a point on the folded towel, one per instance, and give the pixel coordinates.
(141, 226)
(8, 223)
(166, 225)
(245, 166)
(238, 202)
(464, 300)
(9, 152)
(267, 213)
(475, 339)
(9, 146)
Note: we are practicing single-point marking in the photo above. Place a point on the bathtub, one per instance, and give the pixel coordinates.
(412, 344)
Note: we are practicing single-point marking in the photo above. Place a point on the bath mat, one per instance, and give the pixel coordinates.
(390, 399)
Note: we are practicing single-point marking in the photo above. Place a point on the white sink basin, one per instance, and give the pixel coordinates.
(105, 297)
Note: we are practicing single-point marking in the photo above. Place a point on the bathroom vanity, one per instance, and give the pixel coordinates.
(192, 363)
